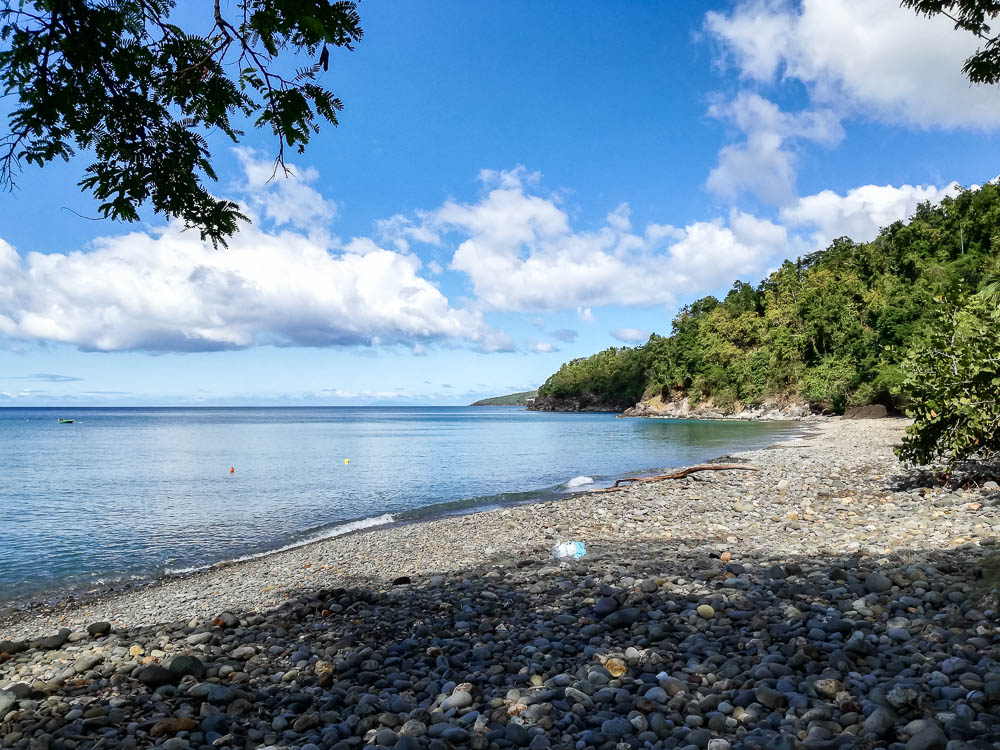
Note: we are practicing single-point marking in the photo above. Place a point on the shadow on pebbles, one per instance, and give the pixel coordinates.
(693, 651)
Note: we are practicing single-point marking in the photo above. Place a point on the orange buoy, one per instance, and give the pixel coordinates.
(232, 470)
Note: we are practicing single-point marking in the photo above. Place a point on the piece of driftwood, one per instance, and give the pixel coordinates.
(619, 483)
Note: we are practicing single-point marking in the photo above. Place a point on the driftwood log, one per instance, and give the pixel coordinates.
(619, 483)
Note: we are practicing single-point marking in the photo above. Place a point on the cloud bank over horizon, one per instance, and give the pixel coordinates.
(283, 281)
(287, 280)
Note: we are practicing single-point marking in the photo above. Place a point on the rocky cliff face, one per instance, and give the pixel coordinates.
(676, 408)
(586, 402)
(681, 408)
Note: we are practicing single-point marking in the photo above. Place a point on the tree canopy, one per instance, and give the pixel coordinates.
(833, 328)
(119, 80)
(975, 17)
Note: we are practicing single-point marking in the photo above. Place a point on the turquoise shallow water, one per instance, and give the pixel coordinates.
(134, 493)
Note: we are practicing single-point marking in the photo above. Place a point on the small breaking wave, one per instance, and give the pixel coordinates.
(330, 533)
(579, 481)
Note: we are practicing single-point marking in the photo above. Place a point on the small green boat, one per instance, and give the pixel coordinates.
(65, 421)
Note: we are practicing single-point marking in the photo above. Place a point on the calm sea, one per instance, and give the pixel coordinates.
(133, 493)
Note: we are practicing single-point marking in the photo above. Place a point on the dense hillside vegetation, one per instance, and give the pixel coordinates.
(832, 328)
(512, 399)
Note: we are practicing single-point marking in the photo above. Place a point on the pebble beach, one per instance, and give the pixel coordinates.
(829, 599)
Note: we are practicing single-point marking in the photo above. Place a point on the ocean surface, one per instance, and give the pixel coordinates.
(127, 494)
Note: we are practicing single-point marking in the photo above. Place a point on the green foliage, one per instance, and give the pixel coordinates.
(512, 399)
(615, 375)
(990, 291)
(833, 327)
(117, 79)
(974, 16)
(830, 383)
(954, 382)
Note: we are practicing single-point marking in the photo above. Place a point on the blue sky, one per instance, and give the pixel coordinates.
(512, 185)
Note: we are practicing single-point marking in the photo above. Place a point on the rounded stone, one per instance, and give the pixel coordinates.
(517, 734)
(876, 583)
(98, 629)
(605, 606)
(929, 738)
(616, 727)
(155, 676)
(456, 700)
(384, 737)
(185, 664)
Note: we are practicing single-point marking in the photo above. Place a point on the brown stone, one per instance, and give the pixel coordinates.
(871, 411)
(616, 667)
(172, 726)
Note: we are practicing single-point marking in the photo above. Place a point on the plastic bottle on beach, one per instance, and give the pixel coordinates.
(569, 549)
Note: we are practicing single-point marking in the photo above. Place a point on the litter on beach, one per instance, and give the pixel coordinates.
(569, 549)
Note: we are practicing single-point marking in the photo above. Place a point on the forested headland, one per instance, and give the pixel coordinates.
(511, 399)
(829, 330)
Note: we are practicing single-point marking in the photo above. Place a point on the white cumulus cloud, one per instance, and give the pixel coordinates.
(27, 393)
(764, 163)
(287, 281)
(165, 290)
(170, 292)
(630, 335)
(860, 212)
(861, 57)
(521, 253)
(283, 198)
(713, 252)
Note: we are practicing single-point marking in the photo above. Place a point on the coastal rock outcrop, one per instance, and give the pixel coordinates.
(870, 411)
(682, 408)
(586, 402)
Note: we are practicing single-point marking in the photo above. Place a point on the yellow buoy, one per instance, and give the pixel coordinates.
(347, 460)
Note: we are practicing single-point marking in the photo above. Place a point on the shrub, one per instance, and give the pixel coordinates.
(953, 382)
(829, 383)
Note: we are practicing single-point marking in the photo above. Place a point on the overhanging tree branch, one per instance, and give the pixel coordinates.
(118, 78)
(975, 17)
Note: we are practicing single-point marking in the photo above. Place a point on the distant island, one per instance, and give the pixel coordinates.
(513, 399)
